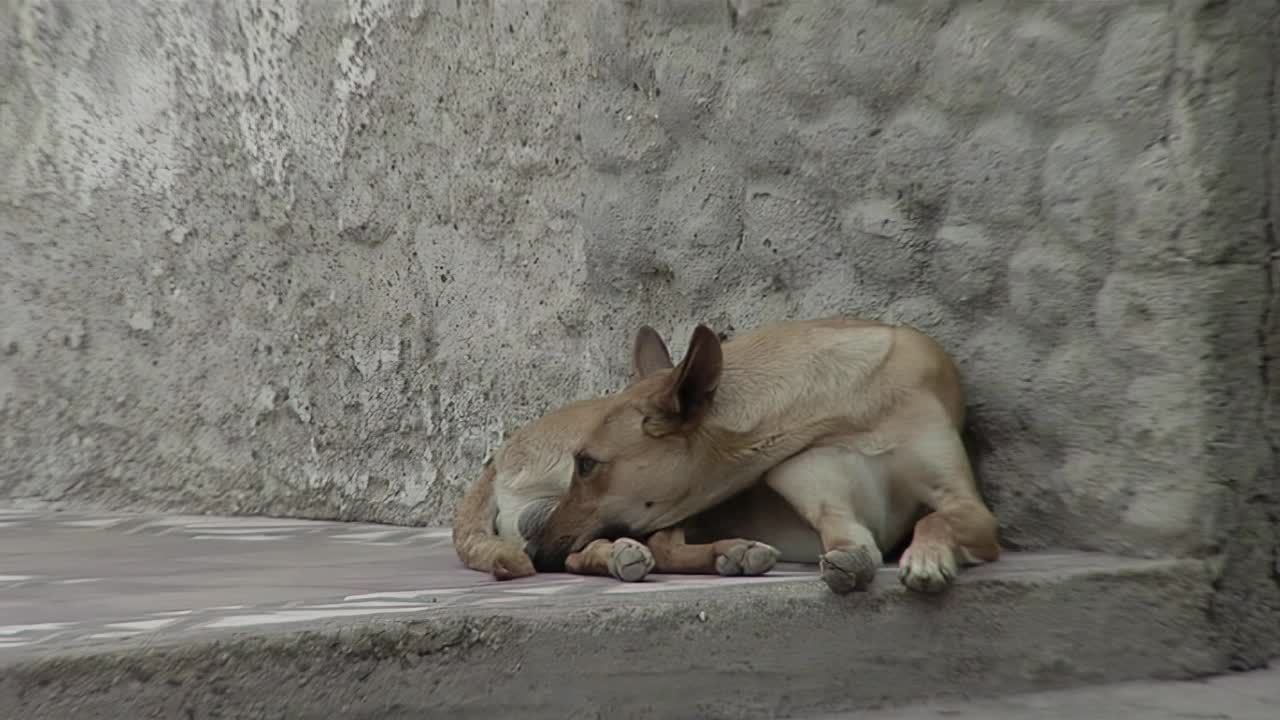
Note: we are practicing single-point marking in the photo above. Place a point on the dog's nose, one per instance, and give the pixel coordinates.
(550, 557)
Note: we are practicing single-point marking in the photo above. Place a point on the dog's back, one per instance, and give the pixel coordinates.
(885, 379)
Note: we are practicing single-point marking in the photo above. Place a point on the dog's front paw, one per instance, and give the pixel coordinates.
(512, 563)
(849, 568)
(747, 557)
(630, 561)
(928, 567)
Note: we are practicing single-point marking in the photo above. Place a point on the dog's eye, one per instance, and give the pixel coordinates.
(586, 464)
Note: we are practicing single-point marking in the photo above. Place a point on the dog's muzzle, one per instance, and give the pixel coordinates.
(547, 557)
(533, 519)
(550, 556)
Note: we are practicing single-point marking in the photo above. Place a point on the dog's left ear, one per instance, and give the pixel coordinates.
(685, 399)
(649, 354)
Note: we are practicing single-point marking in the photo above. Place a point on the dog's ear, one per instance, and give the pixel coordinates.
(683, 401)
(649, 354)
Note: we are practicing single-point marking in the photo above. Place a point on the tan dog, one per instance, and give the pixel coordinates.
(820, 439)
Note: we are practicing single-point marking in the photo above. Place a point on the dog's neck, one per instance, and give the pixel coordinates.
(759, 419)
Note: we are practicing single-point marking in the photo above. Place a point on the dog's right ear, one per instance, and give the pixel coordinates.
(680, 405)
(649, 354)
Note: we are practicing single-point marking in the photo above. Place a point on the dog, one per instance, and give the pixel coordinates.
(832, 439)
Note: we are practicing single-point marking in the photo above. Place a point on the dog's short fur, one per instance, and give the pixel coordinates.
(821, 439)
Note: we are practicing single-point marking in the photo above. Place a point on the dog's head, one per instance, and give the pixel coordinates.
(612, 466)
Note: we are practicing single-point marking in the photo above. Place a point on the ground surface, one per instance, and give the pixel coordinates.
(1249, 696)
(73, 579)
(106, 616)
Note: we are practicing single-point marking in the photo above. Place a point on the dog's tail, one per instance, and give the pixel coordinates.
(474, 539)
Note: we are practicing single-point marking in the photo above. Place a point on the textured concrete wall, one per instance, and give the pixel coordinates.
(314, 257)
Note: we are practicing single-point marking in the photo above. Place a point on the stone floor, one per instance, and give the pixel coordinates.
(71, 579)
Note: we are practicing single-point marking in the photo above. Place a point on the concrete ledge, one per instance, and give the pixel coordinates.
(774, 647)
(1243, 696)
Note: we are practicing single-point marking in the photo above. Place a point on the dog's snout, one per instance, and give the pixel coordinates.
(550, 556)
(614, 531)
(533, 520)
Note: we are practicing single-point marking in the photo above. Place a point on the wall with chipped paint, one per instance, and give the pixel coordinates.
(314, 258)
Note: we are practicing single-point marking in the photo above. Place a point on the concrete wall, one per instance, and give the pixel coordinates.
(313, 258)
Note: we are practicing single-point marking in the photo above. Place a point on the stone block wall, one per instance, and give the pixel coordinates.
(314, 258)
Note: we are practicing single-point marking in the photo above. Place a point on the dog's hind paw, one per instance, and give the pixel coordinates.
(747, 557)
(630, 561)
(847, 569)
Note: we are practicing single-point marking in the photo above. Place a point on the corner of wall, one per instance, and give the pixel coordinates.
(1246, 606)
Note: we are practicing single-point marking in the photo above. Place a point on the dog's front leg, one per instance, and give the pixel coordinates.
(667, 552)
(624, 559)
(724, 557)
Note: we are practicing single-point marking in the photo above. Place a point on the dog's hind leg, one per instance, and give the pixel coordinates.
(478, 547)
(624, 559)
(725, 557)
(961, 529)
(845, 496)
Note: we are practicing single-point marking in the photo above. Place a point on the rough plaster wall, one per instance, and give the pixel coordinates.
(313, 258)
(1230, 57)
(1056, 190)
(283, 257)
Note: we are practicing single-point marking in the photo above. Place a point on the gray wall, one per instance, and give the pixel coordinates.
(313, 258)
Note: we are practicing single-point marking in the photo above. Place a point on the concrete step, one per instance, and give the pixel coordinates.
(111, 616)
(1243, 696)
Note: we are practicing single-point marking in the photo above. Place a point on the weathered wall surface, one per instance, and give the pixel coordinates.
(286, 257)
(313, 258)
